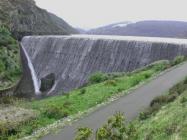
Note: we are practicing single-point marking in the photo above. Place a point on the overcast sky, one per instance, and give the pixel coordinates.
(94, 13)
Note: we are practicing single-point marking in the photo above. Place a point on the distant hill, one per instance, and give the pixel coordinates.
(23, 17)
(81, 30)
(174, 29)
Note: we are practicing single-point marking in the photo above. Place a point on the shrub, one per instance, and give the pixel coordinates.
(120, 89)
(143, 116)
(146, 114)
(159, 100)
(82, 91)
(183, 100)
(178, 60)
(132, 131)
(55, 112)
(185, 80)
(147, 75)
(171, 98)
(7, 100)
(178, 88)
(98, 77)
(159, 65)
(135, 82)
(9, 59)
(111, 83)
(83, 134)
(67, 104)
(114, 129)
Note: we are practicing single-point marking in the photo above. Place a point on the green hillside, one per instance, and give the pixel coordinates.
(169, 123)
(9, 59)
(24, 17)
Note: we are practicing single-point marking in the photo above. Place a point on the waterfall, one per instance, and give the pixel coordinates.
(74, 58)
(35, 80)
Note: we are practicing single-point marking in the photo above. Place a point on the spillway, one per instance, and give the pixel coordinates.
(68, 61)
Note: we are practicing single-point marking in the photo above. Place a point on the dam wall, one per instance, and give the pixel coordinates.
(68, 61)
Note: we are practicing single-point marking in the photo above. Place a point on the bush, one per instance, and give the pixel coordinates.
(143, 116)
(83, 134)
(136, 82)
(111, 83)
(147, 75)
(114, 129)
(98, 77)
(9, 59)
(178, 88)
(67, 104)
(178, 60)
(146, 114)
(159, 100)
(7, 100)
(183, 100)
(82, 91)
(159, 65)
(55, 112)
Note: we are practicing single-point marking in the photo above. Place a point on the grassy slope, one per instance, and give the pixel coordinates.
(170, 123)
(9, 59)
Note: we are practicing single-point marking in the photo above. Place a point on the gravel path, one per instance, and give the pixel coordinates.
(131, 104)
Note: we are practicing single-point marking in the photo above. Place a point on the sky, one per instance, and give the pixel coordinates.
(94, 13)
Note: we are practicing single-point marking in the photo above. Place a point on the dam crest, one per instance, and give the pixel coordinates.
(64, 63)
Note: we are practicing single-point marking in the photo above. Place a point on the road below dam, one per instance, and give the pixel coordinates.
(63, 63)
(131, 105)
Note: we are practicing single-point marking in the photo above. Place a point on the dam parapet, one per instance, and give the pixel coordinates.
(66, 62)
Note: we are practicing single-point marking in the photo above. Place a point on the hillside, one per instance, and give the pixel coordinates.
(172, 29)
(9, 59)
(23, 17)
(170, 122)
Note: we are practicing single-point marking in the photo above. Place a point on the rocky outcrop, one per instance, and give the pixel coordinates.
(23, 17)
(72, 59)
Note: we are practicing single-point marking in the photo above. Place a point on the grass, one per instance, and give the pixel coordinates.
(169, 123)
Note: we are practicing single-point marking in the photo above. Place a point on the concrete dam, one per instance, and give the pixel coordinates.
(66, 62)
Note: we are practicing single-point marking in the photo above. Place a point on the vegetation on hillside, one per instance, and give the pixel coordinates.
(80, 100)
(166, 119)
(24, 17)
(9, 59)
(169, 120)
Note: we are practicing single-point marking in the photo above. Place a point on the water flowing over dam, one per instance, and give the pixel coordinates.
(66, 62)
